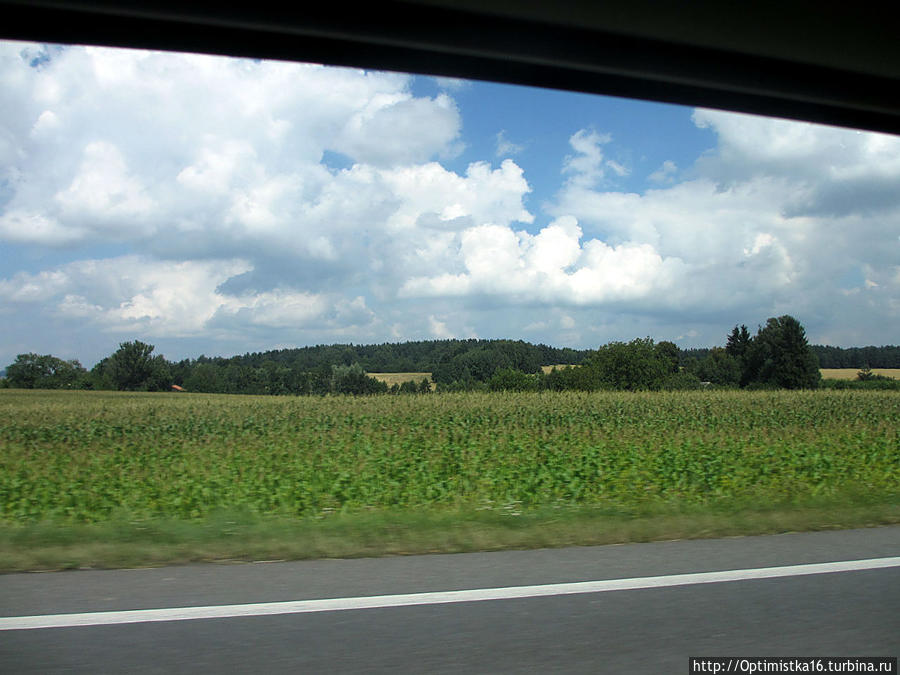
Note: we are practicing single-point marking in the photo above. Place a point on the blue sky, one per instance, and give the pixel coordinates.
(219, 206)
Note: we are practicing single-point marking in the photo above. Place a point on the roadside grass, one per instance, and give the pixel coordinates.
(236, 536)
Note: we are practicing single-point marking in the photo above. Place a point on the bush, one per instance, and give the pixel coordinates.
(353, 380)
(681, 381)
(866, 375)
(33, 371)
(719, 367)
(634, 366)
(509, 379)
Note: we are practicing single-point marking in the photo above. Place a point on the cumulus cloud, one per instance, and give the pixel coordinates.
(134, 294)
(426, 126)
(129, 292)
(107, 144)
(104, 192)
(552, 267)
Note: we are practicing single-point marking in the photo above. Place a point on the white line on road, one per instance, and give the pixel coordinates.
(431, 598)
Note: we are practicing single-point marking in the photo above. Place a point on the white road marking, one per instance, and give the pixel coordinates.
(432, 598)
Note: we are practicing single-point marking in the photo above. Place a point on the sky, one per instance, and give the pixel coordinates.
(219, 206)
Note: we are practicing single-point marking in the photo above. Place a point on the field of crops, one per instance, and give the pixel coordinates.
(86, 456)
(851, 373)
(399, 378)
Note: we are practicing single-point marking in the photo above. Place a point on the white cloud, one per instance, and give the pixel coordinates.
(292, 310)
(34, 227)
(665, 173)
(551, 268)
(438, 329)
(506, 147)
(32, 288)
(618, 169)
(419, 129)
(452, 83)
(132, 294)
(435, 197)
(104, 193)
(833, 172)
(107, 144)
(585, 167)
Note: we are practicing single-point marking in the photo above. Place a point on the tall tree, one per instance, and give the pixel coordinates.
(780, 356)
(738, 342)
(134, 368)
(636, 365)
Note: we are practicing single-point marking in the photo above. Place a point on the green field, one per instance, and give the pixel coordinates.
(83, 459)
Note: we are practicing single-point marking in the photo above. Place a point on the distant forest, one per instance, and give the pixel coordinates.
(424, 356)
(323, 369)
(778, 356)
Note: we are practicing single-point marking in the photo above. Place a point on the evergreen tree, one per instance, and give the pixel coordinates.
(780, 356)
(738, 342)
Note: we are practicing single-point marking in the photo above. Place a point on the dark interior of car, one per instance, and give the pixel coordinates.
(827, 62)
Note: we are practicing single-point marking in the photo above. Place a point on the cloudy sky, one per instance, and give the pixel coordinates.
(218, 206)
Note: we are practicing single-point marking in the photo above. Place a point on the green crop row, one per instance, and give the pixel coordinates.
(85, 456)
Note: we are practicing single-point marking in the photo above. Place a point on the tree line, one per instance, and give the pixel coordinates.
(777, 356)
(423, 356)
(886, 356)
(322, 369)
(134, 367)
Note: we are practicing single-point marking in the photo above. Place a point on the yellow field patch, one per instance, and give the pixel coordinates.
(547, 369)
(850, 373)
(391, 379)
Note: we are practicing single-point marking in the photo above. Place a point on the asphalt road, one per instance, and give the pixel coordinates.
(651, 630)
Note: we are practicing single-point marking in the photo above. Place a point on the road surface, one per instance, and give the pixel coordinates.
(652, 628)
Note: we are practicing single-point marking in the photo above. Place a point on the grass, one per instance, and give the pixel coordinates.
(242, 536)
(94, 479)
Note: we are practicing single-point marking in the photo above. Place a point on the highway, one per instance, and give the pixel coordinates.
(650, 623)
